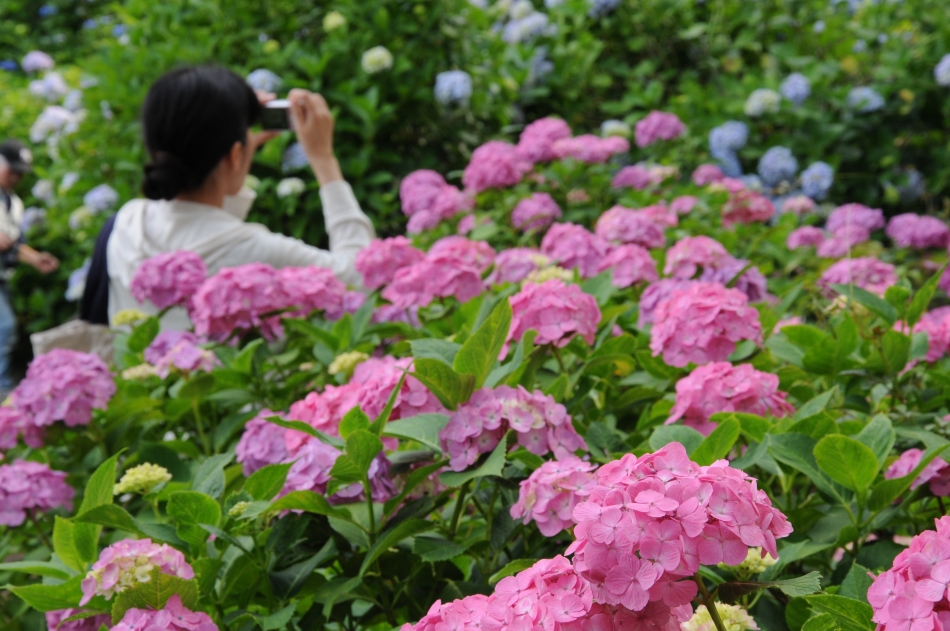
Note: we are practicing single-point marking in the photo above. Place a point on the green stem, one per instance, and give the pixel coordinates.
(368, 491)
(708, 601)
(201, 430)
(557, 355)
(457, 514)
(39, 531)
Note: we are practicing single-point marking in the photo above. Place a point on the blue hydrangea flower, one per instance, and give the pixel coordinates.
(540, 66)
(728, 137)
(525, 29)
(32, 216)
(9, 65)
(729, 163)
(73, 100)
(817, 180)
(819, 26)
(913, 188)
(550, 4)
(865, 99)
(119, 30)
(860, 46)
(90, 24)
(102, 197)
(294, 158)
(602, 8)
(77, 282)
(752, 182)
(47, 10)
(796, 88)
(264, 79)
(453, 87)
(942, 71)
(777, 165)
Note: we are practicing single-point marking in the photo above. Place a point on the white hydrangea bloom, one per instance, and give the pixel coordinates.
(290, 186)
(762, 101)
(376, 59)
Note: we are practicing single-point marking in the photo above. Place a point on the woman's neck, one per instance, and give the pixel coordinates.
(208, 195)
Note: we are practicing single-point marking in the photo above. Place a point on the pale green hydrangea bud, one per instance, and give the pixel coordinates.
(539, 276)
(128, 316)
(238, 509)
(142, 371)
(734, 618)
(142, 479)
(333, 20)
(346, 363)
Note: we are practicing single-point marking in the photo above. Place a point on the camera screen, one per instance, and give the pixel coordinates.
(275, 116)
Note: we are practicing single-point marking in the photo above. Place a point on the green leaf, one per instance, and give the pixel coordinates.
(600, 287)
(517, 363)
(847, 461)
(492, 466)
(718, 444)
(815, 405)
(436, 548)
(64, 544)
(448, 386)
(666, 434)
(423, 428)
(884, 493)
(479, 353)
(921, 300)
(45, 598)
(143, 335)
(245, 359)
(361, 448)
(791, 552)
(278, 619)
(99, 489)
(797, 451)
(849, 614)
(873, 302)
(511, 569)
(895, 351)
(191, 510)
(821, 622)
(154, 593)
(109, 515)
(39, 568)
(432, 348)
(209, 478)
(309, 502)
(197, 386)
(753, 426)
(353, 420)
(379, 423)
(289, 581)
(879, 436)
(206, 573)
(266, 482)
(403, 530)
(856, 584)
(801, 586)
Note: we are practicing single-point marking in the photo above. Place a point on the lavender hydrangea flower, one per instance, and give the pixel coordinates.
(817, 180)
(601, 8)
(47, 10)
(540, 66)
(294, 158)
(36, 60)
(32, 216)
(100, 198)
(725, 141)
(865, 100)
(526, 29)
(777, 165)
(796, 88)
(453, 87)
(51, 87)
(77, 281)
(73, 100)
(264, 79)
(942, 71)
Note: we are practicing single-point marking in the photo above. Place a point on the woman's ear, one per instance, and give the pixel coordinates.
(236, 155)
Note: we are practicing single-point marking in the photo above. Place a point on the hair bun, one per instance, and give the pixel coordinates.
(165, 176)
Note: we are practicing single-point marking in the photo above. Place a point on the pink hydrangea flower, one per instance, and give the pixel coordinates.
(655, 293)
(556, 310)
(870, 219)
(688, 254)
(535, 213)
(14, 424)
(631, 264)
(495, 164)
(187, 357)
(123, 564)
(169, 279)
(784, 322)
(650, 522)
(840, 242)
(426, 192)
(590, 149)
(64, 385)
(514, 265)
(311, 289)
(27, 488)
(702, 324)
(379, 262)
(746, 207)
(422, 221)
(806, 236)
(936, 324)
(922, 232)
(541, 424)
(466, 224)
(752, 283)
(937, 473)
(683, 204)
(658, 126)
(635, 177)
(551, 492)
(913, 593)
(165, 341)
(264, 443)
(866, 272)
(798, 204)
(237, 299)
(623, 225)
(376, 378)
(172, 617)
(434, 277)
(722, 387)
(477, 254)
(536, 143)
(572, 246)
(55, 621)
(707, 174)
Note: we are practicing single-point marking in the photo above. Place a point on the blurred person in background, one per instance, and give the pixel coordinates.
(15, 161)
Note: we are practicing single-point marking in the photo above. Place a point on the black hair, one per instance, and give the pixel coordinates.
(191, 118)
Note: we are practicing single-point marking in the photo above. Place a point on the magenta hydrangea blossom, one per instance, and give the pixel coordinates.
(752, 283)
(937, 473)
(311, 289)
(912, 595)
(572, 246)
(870, 219)
(806, 236)
(165, 341)
(535, 213)
(688, 254)
(556, 310)
(376, 378)
(15, 424)
(514, 265)
(865, 272)
(551, 492)
(936, 324)
(624, 225)
(495, 164)
(56, 621)
(655, 293)
(425, 193)
(683, 204)
(27, 488)
(652, 521)
(635, 177)
(922, 232)
(536, 143)
(127, 562)
(264, 443)
(542, 425)
(187, 357)
(379, 262)
(658, 126)
(746, 207)
(722, 387)
(590, 149)
(798, 204)
(174, 616)
(707, 174)
(169, 279)
(64, 385)
(702, 324)
(476, 254)
(434, 277)
(631, 264)
(840, 242)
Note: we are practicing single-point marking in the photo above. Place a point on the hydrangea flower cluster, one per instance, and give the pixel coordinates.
(858, 215)
(515, 264)
(689, 254)
(655, 293)
(722, 387)
(27, 488)
(100, 198)
(922, 232)
(590, 149)
(535, 213)
(816, 182)
(376, 59)
(551, 492)
(702, 324)
(777, 165)
(572, 246)
(942, 71)
(142, 479)
(379, 262)
(658, 126)
(536, 143)
(806, 236)
(652, 521)
(746, 206)
(725, 142)
(865, 272)
(752, 283)
(541, 424)
(453, 87)
(64, 385)
(733, 617)
(495, 164)
(556, 310)
(936, 324)
(707, 174)
(913, 593)
(452, 267)
(427, 199)
(169, 279)
(635, 177)
(796, 88)
(762, 101)
(174, 616)
(130, 561)
(264, 80)
(187, 357)
(15, 424)
(624, 225)
(630, 264)
(936, 474)
(798, 204)
(865, 100)
(56, 621)
(36, 61)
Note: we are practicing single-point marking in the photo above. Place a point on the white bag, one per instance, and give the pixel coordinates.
(76, 335)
